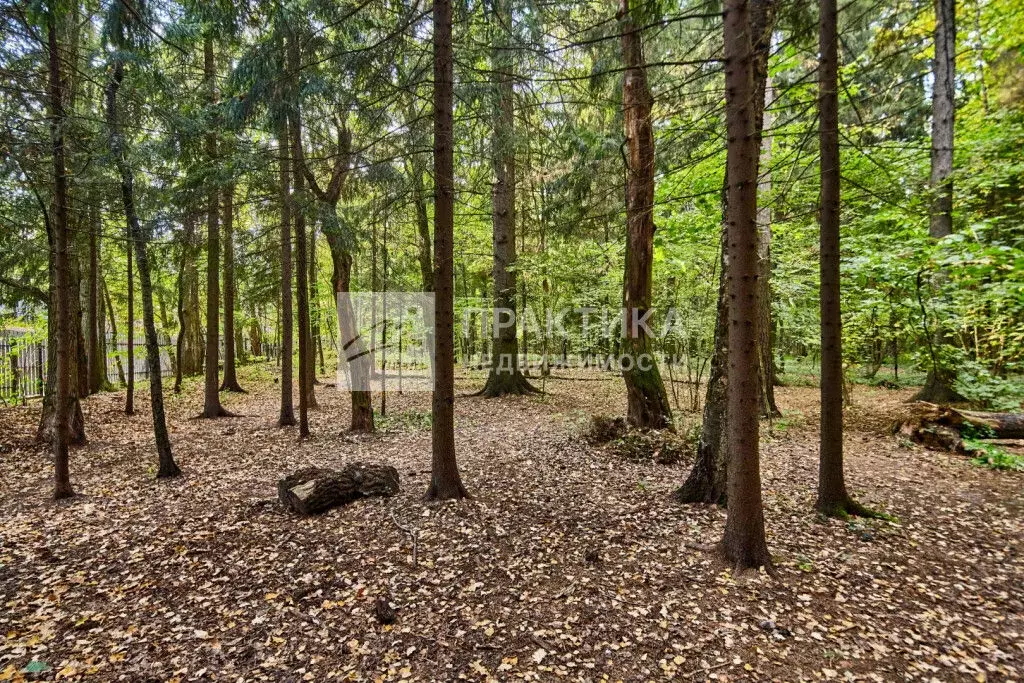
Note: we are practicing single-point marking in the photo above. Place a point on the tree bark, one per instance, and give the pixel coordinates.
(287, 414)
(129, 400)
(167, 466)
(65, 344)
(938, 387)
(211, 397)
(744, 543)
(505, 376)
(301, 253)
(647, 401)
(113, 331)
(762, 18)
(189, 342)
(96, 365)
(445, 481)
(833, 499)
(230, 381)
(707, 482)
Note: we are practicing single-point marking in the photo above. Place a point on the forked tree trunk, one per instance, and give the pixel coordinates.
(445, 481)
(505, 376)
(167, 466)
(189, 343)
(211, 397)
(744, 543)
(230, 381)
(65, 344)
(938, 386)
(647, 402)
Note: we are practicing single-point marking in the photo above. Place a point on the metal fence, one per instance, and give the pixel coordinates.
(23, 363)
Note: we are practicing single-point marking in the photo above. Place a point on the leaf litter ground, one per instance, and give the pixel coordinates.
(569, 563)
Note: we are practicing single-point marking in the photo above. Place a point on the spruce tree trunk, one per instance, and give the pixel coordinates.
(938, 387)
(96, 365)
(299, 221)
(65, 340)
(129, 400)
(762, 18)
(287, 414)
(648, 405)
(211, 397)
(445, 481)
(505, 376)
(744, 543)
(230, 381)
(167, 466)
(707, 482)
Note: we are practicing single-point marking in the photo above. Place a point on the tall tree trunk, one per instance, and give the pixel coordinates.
(211, 398)
(505, 376)
(445, 482)
(938, 387)
(287, 414)
(167, 468)
(230, 381)
(647, 402)
(833, 499)
(707, 482)
(113, 331)
(96, 366)
(763, 22)
(129, 400)
(65, 340)
(299, 220)
(744, 543)
(190, 343)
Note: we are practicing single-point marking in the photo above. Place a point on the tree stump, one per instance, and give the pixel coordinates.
(313, 490)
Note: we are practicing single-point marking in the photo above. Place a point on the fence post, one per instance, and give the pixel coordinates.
(15, 378)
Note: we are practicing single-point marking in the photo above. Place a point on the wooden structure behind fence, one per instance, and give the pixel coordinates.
(23, 363)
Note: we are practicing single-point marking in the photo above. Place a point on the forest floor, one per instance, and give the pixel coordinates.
(568, 562)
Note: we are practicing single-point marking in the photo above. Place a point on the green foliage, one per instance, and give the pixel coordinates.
(993, 457)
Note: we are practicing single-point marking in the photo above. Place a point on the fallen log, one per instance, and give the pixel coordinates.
(313, 490)
(945, 428)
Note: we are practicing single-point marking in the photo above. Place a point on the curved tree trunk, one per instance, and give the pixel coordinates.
(648, 404)
(167, 468)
